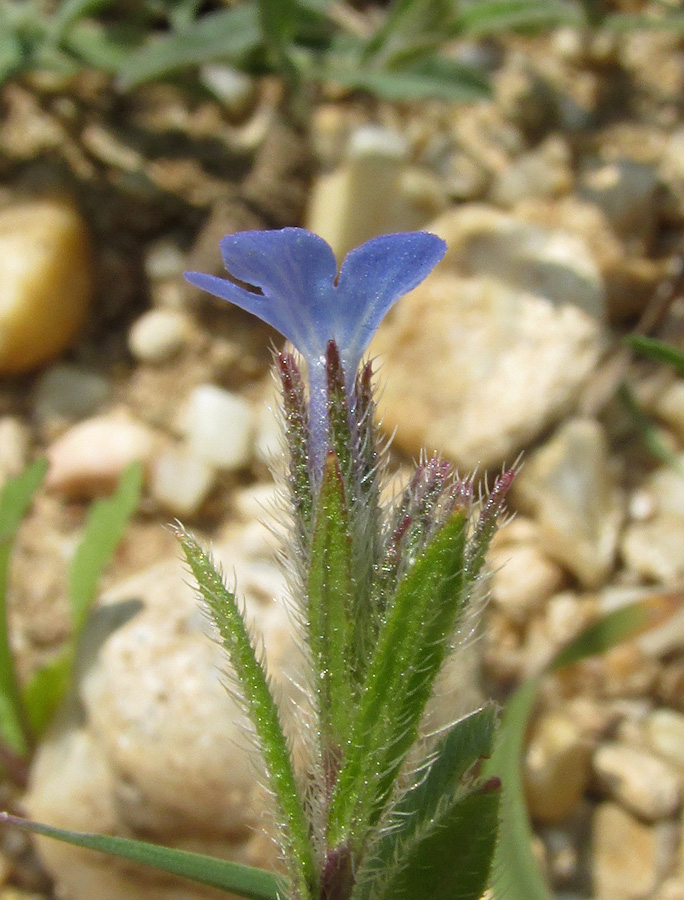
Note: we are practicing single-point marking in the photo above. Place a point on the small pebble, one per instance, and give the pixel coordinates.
(89, 458)
(219, 427)
(653, 549)
(66, 391)
(14, 447)
(180, 482)
(158, 335)
(556, 768)
(522, 579)
(664, 729)
(47, 282)
(642, 782)
(164, 260)
(233, 88)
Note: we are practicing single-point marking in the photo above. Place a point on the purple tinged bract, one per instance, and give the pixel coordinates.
(289, 279)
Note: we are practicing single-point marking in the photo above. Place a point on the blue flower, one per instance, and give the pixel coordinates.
(289, 279)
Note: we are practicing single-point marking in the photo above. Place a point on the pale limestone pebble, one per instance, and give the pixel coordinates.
(374, 191)
(549, 262)
(522, 579)
(504, 654)
(259, 501)
(666, 486)
(15, 440)
(655, 549)
(476, 370)
(235, 89)
(47, 282)
(163, 751)
(641, 505)
(568, 486)
(542, 172)
(66, 392)
(158, 335)
(565, 615)
(556, 768)
(669, 406)
(629, 858)
(671, 889)
(672, 174)
(664, 733)
(626, 192)
(643, 783)
(629, 279)
(180, 482)
(218, 426)
(164, 260)
(482, 133)
(90, 457)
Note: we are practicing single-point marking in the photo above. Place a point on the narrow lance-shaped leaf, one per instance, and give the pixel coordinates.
(245, 881)
(263, 713)
(656, 350)
(15, 500)
(466, 743)
(410, 649)
(329, 593)
(515, 870)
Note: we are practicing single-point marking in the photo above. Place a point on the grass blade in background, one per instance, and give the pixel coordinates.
(15, 500)
(648, 431)
(227, 35)
(245, 881)
(481, 18)
(516, 875)
(656, 350)
(106, 523)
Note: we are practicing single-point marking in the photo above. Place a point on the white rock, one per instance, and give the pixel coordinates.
(234, 88)
(158, 335)
(47, 282)
(626, 192)
(90, 458)
(180, 482)
(161, 752)
(655, 549)
(164, 260)
(662, 637)
(543, 172)
(219, 427)
(549, 262)
(522, 579)
(568, 486)
(629, 858)
(374, 191)
(666, 486)
(66, 391)
(670, 407)
(556, 768)
(14, 447)
(640, 781)
(664, 730)
(476, 370)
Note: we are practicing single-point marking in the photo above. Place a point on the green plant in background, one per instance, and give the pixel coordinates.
(400, 52)
(25, 713)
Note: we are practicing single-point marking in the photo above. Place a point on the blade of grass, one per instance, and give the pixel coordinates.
(245, 881)
(647, 430)
(656, 350)
(15, 500)
(516, 872)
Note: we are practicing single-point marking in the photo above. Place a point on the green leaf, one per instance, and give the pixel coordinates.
(106, 524)
(11, 54)
(104, 47)
(46, 690)
(516, 873)
(484, 17)
(263, 713)
(228, 35)
(451, 856)
(467, 741)
(410, 649)
(656, 350)
(245, 881)
(436, 78)
(70, 11)
(329, 593)
(621, 22)
(15, 500)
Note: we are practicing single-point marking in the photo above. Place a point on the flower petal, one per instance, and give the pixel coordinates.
(372, 278)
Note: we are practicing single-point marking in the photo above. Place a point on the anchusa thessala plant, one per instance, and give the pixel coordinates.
(380, 594)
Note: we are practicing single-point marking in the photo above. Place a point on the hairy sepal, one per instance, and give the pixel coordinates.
(263, 713)
(330, 590)
(410, 650)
